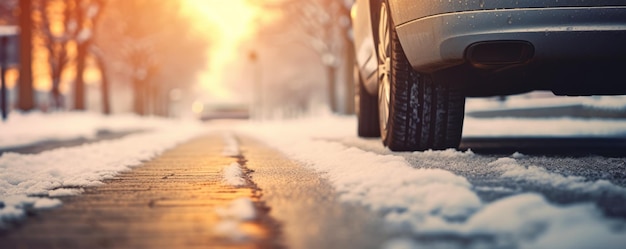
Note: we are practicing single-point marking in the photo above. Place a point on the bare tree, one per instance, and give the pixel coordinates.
(152, 49)
(88, 12)
(26, 98)
(49, 14)
(98, 55)
(63, 24)
(324, 26)
(7, 12)
(143, 65)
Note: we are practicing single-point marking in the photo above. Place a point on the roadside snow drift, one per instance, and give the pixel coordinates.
(438, 203)
(30, 128)
(33, 181)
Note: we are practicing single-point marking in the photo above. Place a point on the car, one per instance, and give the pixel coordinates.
(418, 60)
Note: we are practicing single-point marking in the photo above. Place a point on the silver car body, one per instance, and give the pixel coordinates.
(505, 46)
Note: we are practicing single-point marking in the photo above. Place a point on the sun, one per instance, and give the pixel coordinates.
(233, 18)
(226, 24)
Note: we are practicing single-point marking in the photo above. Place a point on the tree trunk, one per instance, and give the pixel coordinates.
(79, 87)
(139, 99)
(56, 66)
(3, 88)
(331, 73)
(26, 99)
(55, 92)
(154, 99)
(150, 100)
(104, 84)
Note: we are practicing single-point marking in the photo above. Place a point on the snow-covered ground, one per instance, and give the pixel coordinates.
(34, 181)
(25, 129)
(423, 199)
(548, 126)
(430, 201)
(540, 99)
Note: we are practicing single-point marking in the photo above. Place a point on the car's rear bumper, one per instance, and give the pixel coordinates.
(563, 33)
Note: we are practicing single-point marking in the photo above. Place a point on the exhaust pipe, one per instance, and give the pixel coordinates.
(495, 54)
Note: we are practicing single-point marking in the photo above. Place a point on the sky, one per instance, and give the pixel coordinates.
(227, 24)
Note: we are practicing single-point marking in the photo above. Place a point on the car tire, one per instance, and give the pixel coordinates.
(366, 109)
(416, 114)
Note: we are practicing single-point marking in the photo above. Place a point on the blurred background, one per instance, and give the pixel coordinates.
(265, 59)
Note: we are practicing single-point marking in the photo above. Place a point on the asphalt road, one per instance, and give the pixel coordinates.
(306, 206)
(172, 202)
(304, 211)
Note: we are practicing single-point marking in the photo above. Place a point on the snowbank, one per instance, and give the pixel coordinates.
(551, 127)
(34, 181)
(29, 128)
(430, 201)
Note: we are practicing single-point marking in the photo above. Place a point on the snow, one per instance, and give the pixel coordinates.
(551, 127)
(234, 216)
(14, 207)
(241, 209)
(541, 127)
(36, 180)
(46, 203)
(518, 155)
(546, 99)
(400, 243)
(527, 216)
(29, 128)
(415, 199)
(233, 175)
(61, 192)
(430, 201)
(513, 171)
(231, 148)
(233, 219)
(494, 189)
(6, 30)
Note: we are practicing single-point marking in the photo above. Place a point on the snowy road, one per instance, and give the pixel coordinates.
(315, 216)
(342, 191)
(455, 199)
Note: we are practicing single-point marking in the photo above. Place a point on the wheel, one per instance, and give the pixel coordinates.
(366, 109)
(416, 113)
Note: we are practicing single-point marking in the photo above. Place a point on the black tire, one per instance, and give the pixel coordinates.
(366, 109)
(416, 113)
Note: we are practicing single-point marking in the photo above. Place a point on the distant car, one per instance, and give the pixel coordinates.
(223, 111)
(417, 60)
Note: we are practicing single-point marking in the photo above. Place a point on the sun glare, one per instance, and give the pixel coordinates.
(226, 24)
